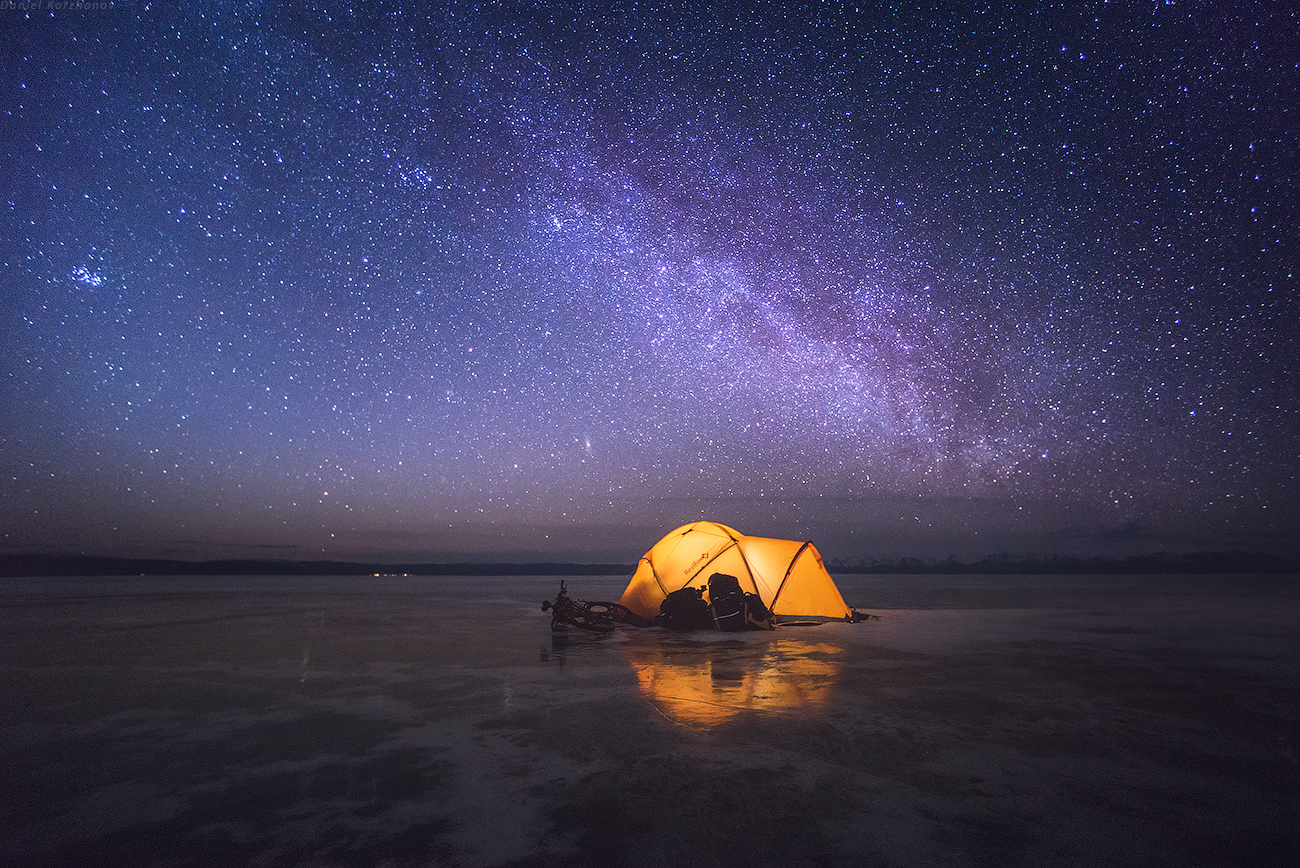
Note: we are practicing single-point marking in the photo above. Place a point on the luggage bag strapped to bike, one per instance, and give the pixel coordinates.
(728, 608)
(728, 602)
(733, 609)
(685, 609)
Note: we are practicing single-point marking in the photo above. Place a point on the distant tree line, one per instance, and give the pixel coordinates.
(92, 565)
(35, 564)
(1154, 563)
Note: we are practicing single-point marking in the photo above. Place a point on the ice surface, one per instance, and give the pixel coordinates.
(437, 721)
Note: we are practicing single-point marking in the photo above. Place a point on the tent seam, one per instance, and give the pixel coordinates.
(788, 570)
(725, 532)
(725, 548)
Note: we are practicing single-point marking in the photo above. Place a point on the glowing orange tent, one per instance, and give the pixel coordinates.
(788, 576)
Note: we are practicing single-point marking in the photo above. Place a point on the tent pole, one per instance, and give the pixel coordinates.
(714, 558)
(788, 570)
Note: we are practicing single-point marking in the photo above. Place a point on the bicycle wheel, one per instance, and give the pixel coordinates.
(584, 618)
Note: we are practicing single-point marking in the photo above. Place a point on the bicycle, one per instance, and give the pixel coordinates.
(592, 616)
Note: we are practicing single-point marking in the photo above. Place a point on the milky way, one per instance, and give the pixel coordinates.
(522, 281)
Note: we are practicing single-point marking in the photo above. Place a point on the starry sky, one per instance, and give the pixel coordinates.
(531, 281)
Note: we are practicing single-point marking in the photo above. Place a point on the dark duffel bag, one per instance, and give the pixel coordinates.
(728, 602)
(685, 609)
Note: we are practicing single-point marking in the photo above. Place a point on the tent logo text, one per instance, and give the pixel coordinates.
(695, 563)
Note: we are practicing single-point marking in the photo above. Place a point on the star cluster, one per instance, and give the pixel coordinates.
(541, 281)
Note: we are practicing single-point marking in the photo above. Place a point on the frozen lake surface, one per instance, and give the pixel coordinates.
(999, 720)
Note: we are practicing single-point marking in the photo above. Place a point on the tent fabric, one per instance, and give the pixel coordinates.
(788, 576)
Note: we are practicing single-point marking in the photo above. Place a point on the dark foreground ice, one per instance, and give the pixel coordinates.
(1000, 721)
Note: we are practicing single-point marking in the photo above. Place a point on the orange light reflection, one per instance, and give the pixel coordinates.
(702, 682)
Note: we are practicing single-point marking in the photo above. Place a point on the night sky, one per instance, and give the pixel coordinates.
(522, 281)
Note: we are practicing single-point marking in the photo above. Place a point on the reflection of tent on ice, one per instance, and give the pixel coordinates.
(710, 683)
(787, 575)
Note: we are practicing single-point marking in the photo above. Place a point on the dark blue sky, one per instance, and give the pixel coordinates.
(526, 281)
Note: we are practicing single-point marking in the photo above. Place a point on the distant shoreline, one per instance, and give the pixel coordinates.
(1160, 563)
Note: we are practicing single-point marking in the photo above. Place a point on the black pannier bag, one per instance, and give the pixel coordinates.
(685, 609)
(757, 615)
(728, 602)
